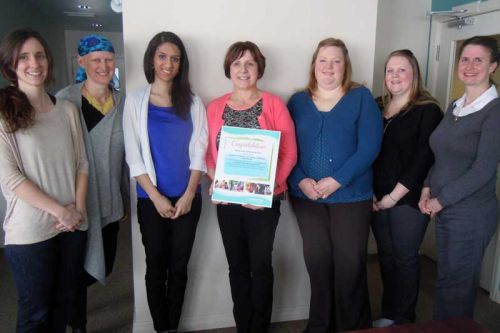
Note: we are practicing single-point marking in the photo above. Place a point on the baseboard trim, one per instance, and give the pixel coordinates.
(223, 320)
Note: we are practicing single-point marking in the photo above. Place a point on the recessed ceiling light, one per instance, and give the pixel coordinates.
(96, 25)
(84, 7)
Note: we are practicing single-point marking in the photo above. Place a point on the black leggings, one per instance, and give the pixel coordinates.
(168, 244)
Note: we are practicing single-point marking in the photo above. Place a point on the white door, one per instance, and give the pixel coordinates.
(486, 17)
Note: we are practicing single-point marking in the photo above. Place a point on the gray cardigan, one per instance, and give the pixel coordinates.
(105, 153)
(467, 154)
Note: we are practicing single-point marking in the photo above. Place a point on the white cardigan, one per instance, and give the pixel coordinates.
(135, 130)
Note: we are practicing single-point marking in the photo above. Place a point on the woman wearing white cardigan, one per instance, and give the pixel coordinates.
(165, 132)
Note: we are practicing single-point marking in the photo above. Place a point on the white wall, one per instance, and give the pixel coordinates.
(287, 32)
(401, 24)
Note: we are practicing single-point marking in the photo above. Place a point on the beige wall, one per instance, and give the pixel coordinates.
(287, 32)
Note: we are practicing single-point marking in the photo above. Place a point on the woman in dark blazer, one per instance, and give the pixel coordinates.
(410, 115)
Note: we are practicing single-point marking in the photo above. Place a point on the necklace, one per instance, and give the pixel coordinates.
(456, 114)
(245, 101)
(388, 121)
(101, 105)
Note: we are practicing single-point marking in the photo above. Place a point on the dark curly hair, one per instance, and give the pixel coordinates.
(15, 109)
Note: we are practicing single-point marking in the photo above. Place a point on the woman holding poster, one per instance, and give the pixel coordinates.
(248, 231)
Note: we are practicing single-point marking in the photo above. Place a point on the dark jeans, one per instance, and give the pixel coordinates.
(462, 235)
(45, 275)
(168, 244)
(399, 231)
(335, 238)
(248, 237)
(78, 313)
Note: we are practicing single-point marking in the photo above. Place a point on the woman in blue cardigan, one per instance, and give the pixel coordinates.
(339, 131)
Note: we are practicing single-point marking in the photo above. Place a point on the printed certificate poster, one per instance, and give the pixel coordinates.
(246, 166)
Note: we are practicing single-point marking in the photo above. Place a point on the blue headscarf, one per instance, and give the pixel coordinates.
(89, 44)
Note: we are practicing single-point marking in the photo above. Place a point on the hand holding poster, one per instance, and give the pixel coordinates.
(246, 166)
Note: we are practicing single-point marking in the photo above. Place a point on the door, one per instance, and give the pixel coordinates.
(444, 45)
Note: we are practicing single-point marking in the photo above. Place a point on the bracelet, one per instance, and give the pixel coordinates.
(389, 195)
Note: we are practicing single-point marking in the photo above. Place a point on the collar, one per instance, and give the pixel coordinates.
(480, 102)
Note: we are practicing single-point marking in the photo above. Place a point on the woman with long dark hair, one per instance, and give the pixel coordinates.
(43, 173)
(165, 130)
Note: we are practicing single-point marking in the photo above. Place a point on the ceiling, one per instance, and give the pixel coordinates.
(99, 13)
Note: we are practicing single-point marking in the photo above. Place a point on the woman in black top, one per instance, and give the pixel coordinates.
(410, 115)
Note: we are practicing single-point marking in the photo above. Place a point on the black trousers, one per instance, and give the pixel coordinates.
(399, 231)
(335, 238)
(78, 312)
(248, 237)
(168, 244)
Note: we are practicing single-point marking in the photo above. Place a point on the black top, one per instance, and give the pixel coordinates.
(91, 115)
(405, 155)
(248, 118)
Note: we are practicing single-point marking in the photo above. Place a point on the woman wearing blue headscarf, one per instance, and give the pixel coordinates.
(101, 108)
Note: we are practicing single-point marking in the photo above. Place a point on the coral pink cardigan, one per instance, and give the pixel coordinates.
(275, 116)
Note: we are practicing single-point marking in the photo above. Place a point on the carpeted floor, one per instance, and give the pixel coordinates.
(110, 308)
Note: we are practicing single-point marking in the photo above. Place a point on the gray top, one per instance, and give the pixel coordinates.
(467, 153)
(50, 154)
(105, 151)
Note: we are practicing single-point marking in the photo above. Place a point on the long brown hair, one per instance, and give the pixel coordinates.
(347, 82)
(418, 94)
(15, 109)
(181, 93)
